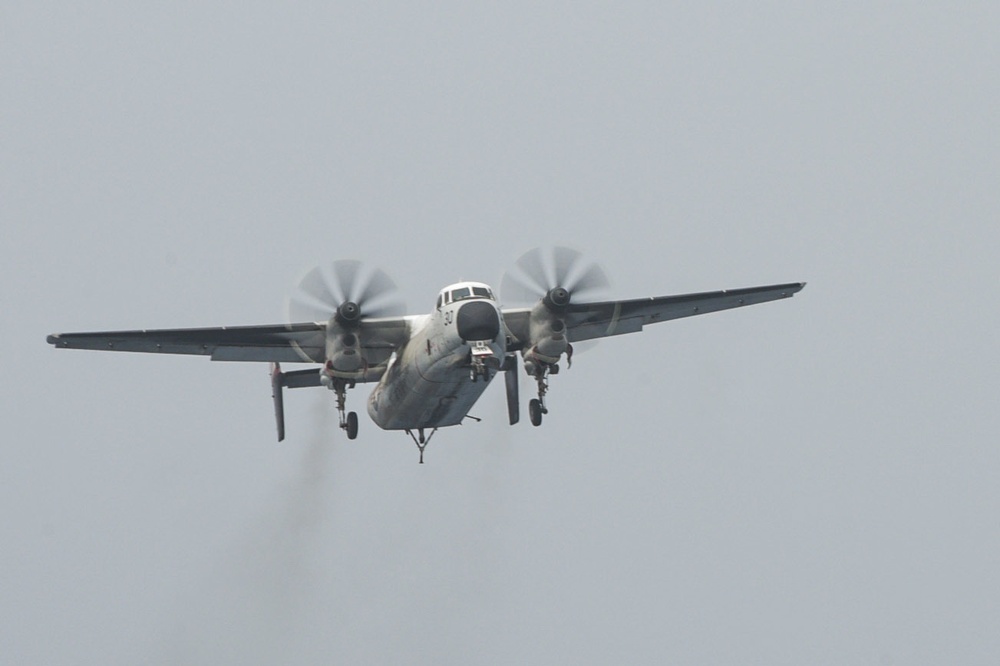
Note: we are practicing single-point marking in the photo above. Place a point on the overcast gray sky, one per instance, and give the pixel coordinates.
(809, 481)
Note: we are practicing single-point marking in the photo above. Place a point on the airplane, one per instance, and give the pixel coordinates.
(429, 369)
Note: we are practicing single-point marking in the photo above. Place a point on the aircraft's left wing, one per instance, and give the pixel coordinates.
(598, 320)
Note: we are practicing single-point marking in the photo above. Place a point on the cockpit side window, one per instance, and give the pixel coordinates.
(440, 300)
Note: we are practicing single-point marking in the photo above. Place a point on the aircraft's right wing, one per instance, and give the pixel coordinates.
(282, 342)
(293, 343)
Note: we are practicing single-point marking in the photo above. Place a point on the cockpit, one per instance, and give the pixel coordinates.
(461, 292)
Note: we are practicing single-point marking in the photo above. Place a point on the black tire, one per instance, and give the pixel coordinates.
(535, 411)
(352, 425)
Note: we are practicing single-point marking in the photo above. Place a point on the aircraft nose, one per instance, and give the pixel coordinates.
(478, 320)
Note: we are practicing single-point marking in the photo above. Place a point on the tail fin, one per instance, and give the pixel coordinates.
(510, 379)
(279, 402)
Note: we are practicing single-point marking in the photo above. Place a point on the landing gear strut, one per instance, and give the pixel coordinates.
(475, 372)
(348, 420)
(536, 407)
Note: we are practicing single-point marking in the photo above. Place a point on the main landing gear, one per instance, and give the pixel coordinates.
(348, 420)
(535, 411)
(536, 407)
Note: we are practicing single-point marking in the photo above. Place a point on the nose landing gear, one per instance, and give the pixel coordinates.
(480, 356)
(475, 372)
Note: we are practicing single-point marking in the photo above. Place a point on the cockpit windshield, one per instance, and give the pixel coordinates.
(462, 293)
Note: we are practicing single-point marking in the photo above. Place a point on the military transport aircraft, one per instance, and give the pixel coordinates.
(429, 369)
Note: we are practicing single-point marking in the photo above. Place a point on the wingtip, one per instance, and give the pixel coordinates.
(53, 339)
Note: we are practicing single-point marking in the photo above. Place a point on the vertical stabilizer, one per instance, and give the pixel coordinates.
(510, 380)
(279, 403)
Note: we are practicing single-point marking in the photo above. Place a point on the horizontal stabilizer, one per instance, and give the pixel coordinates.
(301, 378)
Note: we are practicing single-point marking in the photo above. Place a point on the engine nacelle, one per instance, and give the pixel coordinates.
(547, 332)
(343, 351)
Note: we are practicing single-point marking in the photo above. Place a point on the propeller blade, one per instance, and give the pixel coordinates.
(345, 274)
(323, 289)
(576, 274)
(317, 286)
(539, 270)
(313, 299)
(378, 296)
(526, 280)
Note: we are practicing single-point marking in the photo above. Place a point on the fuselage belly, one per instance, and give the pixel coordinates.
(428, 384)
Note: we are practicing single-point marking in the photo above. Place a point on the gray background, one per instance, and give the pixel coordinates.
(810, 481)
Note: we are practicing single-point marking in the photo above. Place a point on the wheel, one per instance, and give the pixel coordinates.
(535, 411)
(473, 375)
(352, 425)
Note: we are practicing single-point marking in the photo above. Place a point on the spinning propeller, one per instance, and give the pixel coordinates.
(339, 294)
(346, 289)
(555, 275)
(547, 280)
